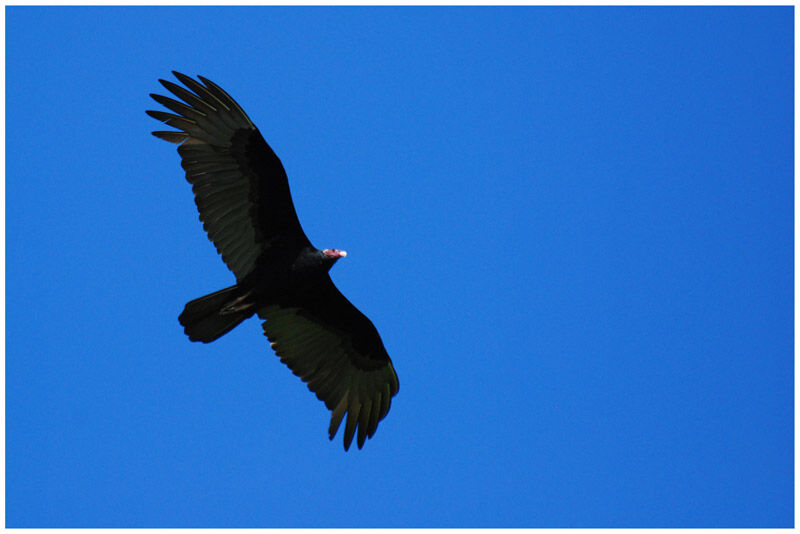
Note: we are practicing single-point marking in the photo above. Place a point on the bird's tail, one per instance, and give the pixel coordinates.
(208, 318)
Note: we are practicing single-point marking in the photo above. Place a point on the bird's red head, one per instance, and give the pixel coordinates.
(334, 254)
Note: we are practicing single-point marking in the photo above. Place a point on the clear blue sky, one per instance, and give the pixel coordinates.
(571, 226)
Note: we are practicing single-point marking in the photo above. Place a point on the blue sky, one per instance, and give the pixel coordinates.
(571, 226)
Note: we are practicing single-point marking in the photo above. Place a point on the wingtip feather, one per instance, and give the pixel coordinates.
(363, 422)
(336, 417)
(350, 426)
(172, 137)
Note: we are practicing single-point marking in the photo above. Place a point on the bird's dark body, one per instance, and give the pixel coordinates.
(284, 273)
(243, 198)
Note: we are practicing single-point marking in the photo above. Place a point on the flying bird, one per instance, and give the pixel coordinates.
(242, 195)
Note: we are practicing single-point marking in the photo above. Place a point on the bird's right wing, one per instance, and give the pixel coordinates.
(337, 351)
(239, 184)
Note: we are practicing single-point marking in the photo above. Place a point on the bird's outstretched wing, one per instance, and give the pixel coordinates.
(337, 351)
(239, 184)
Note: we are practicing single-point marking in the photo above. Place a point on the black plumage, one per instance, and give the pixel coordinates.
(242, 194)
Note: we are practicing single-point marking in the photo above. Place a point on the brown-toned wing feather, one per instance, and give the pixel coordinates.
(337, 351)
(239, 184)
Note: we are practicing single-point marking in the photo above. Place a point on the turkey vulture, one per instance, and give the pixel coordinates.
(242, 194)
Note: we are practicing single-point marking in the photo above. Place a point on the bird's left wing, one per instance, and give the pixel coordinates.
(337, 351)
(240, 187)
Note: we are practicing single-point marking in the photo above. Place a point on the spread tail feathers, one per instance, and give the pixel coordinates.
(207, 318)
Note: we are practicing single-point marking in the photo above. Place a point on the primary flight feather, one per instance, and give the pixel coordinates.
(242, 194)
